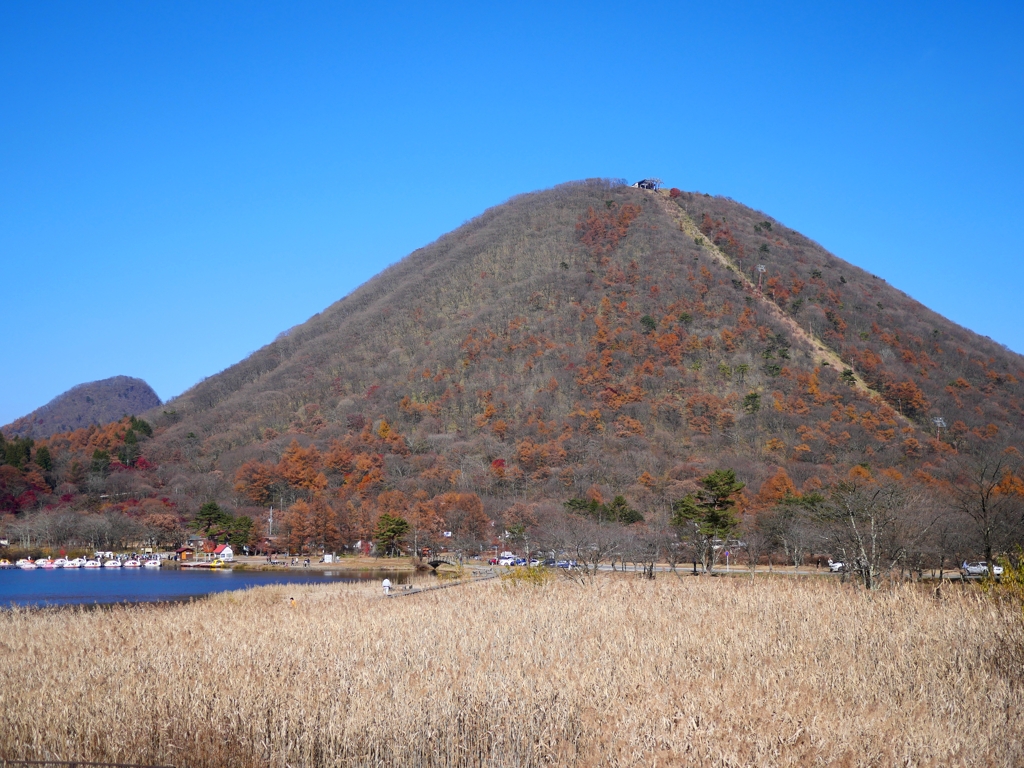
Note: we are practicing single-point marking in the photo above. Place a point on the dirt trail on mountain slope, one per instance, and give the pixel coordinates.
(825, 354)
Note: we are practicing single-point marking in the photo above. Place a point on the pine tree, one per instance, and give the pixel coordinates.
(709, 511)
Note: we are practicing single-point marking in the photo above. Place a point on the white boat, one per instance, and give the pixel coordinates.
(91, 564)
(60, 562)
(48, 564)
(154, 563)
(132, 564)
(78, 562)
(26, 564)
(112, 564)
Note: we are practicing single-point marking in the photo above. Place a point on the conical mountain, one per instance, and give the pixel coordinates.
(594, 338)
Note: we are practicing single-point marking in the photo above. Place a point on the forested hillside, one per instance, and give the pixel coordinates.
(576, 345)
(98, 402)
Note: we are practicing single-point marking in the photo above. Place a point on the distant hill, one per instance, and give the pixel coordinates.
(97, 402)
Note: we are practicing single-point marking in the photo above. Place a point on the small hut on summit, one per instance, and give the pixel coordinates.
(647, 184)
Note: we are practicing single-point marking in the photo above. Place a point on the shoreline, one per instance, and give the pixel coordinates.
(344, 563)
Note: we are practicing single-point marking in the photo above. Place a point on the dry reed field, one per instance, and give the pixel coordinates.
(679, 671)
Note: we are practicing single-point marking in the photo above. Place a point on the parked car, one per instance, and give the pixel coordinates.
(836, 567)
(980, 568)
(565, 564)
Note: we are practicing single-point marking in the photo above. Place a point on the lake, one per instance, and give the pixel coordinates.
(88, 586)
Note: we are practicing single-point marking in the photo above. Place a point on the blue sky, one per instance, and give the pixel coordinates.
(180, 182)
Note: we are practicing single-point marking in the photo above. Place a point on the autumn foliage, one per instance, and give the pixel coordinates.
(588, 337)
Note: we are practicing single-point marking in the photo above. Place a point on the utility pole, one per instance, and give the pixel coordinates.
(760, 275)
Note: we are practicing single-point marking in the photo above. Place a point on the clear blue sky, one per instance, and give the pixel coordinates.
(180, 182)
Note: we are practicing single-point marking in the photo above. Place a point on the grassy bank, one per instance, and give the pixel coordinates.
(678, 671)
(345, 563)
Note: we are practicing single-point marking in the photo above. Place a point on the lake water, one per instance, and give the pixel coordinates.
(82, 586)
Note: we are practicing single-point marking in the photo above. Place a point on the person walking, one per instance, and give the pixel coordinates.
(387, 586)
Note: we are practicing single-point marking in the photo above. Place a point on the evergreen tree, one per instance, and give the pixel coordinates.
(100, 462)
(239, 531)
(211, 520)
(710, 513)
(618, 511)
(43, 459)
(141, 426)
(18, 452)
(390, 529)
(621, 512)
(129, 453)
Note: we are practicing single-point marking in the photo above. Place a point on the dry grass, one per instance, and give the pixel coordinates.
(674, 672)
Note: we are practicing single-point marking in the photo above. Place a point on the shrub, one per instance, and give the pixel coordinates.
(527, 576)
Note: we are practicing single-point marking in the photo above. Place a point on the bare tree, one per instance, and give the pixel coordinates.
(866, 526)
(787, 526)
(588, 542)
(643, 545)
(697, 545)
(758, 541)
(981, 488)
(671, 547)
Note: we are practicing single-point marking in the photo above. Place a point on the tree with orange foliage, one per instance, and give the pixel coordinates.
(362, 518)
(907, 397)
(300, 467)
(423, 518)
(323, 524)
(463, 514)
(776, 488)
(601, 232)
(339, 457)
(257, 481)
(298, 522)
